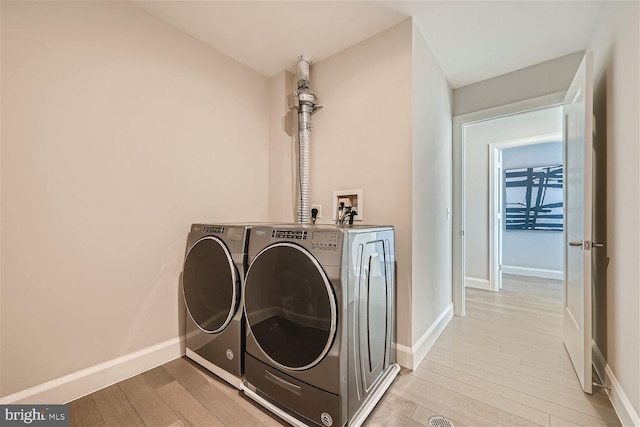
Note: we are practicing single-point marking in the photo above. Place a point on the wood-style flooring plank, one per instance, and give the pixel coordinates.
(551, 330)
(552, 394)
(456, 345)
(186, 406)
(559, 422)
(147, 403)
(515, 300)
(393, 411)
(225, 408)
(265, 417)
(392, 419)
(523, 377)
(491, 363)
(509, 304)
(507, 334)
(556, 370)
(523, 319)
(472, 334)
(422, 415)
(83, 412)
(524, 414)
(467, 410)
(395, 403)
(157, 377)
(116, 408)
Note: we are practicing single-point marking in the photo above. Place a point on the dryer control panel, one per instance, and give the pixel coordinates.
(235, 233)
(325, 240)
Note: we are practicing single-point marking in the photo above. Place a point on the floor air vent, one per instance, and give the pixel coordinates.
(440, 422)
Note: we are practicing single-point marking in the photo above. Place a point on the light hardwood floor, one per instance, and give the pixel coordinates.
(503, 364)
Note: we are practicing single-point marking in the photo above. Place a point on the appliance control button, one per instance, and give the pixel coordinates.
(326, 419)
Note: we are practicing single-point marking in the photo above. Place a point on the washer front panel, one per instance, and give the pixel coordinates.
(290, 306)
(211, 285)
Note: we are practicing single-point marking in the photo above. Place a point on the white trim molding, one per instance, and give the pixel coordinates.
(411, 357)
(496, 186)
(86, 381)
(458, 123)
(404, 355)
(619, 399)
(228, 377)
(533, 272)
(472, 282)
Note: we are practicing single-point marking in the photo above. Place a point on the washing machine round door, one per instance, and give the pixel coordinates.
(210, 284)
(290, 306)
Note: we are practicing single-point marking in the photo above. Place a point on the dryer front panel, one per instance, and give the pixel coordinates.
(290, 306)
(211, 284)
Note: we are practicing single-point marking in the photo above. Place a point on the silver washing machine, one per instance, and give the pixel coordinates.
(319, 305)
(212, 280)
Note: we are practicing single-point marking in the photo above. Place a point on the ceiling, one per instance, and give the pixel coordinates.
(472, 40)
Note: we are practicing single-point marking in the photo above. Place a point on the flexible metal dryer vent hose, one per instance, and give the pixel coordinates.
(305, 102)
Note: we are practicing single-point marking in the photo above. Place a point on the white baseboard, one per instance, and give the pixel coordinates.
(80, 383)
(621, 403)
(472, 282)
(411, 357)
(619, 399)
(404, 356)
(533, 272)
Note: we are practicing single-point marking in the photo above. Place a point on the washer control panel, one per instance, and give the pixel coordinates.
(289, 234)
(215, 229)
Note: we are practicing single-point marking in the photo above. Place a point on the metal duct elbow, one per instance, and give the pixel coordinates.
(303, 72)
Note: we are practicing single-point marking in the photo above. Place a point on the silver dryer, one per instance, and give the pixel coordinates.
(319, 304)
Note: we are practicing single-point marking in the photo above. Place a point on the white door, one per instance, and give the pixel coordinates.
(578, 114)
(496, 213)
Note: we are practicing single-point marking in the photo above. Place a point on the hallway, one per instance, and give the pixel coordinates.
(502, 364)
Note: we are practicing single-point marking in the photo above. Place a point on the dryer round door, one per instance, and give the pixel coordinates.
(290, 306)
(210, 284)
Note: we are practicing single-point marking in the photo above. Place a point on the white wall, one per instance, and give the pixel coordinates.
(533, 250)
(118, 132)
(477, 138)
(282, 153)
(615, 43)
(362, 139)
(431, 193)
(538, 80)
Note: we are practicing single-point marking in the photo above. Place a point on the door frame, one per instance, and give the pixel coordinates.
(496, 184)
(459, 162)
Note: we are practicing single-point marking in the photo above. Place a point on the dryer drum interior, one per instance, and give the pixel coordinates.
(290, 306)
(211, 285)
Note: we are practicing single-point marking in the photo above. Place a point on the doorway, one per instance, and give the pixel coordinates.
(476, 253)
(526, 207)
(515, 223)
